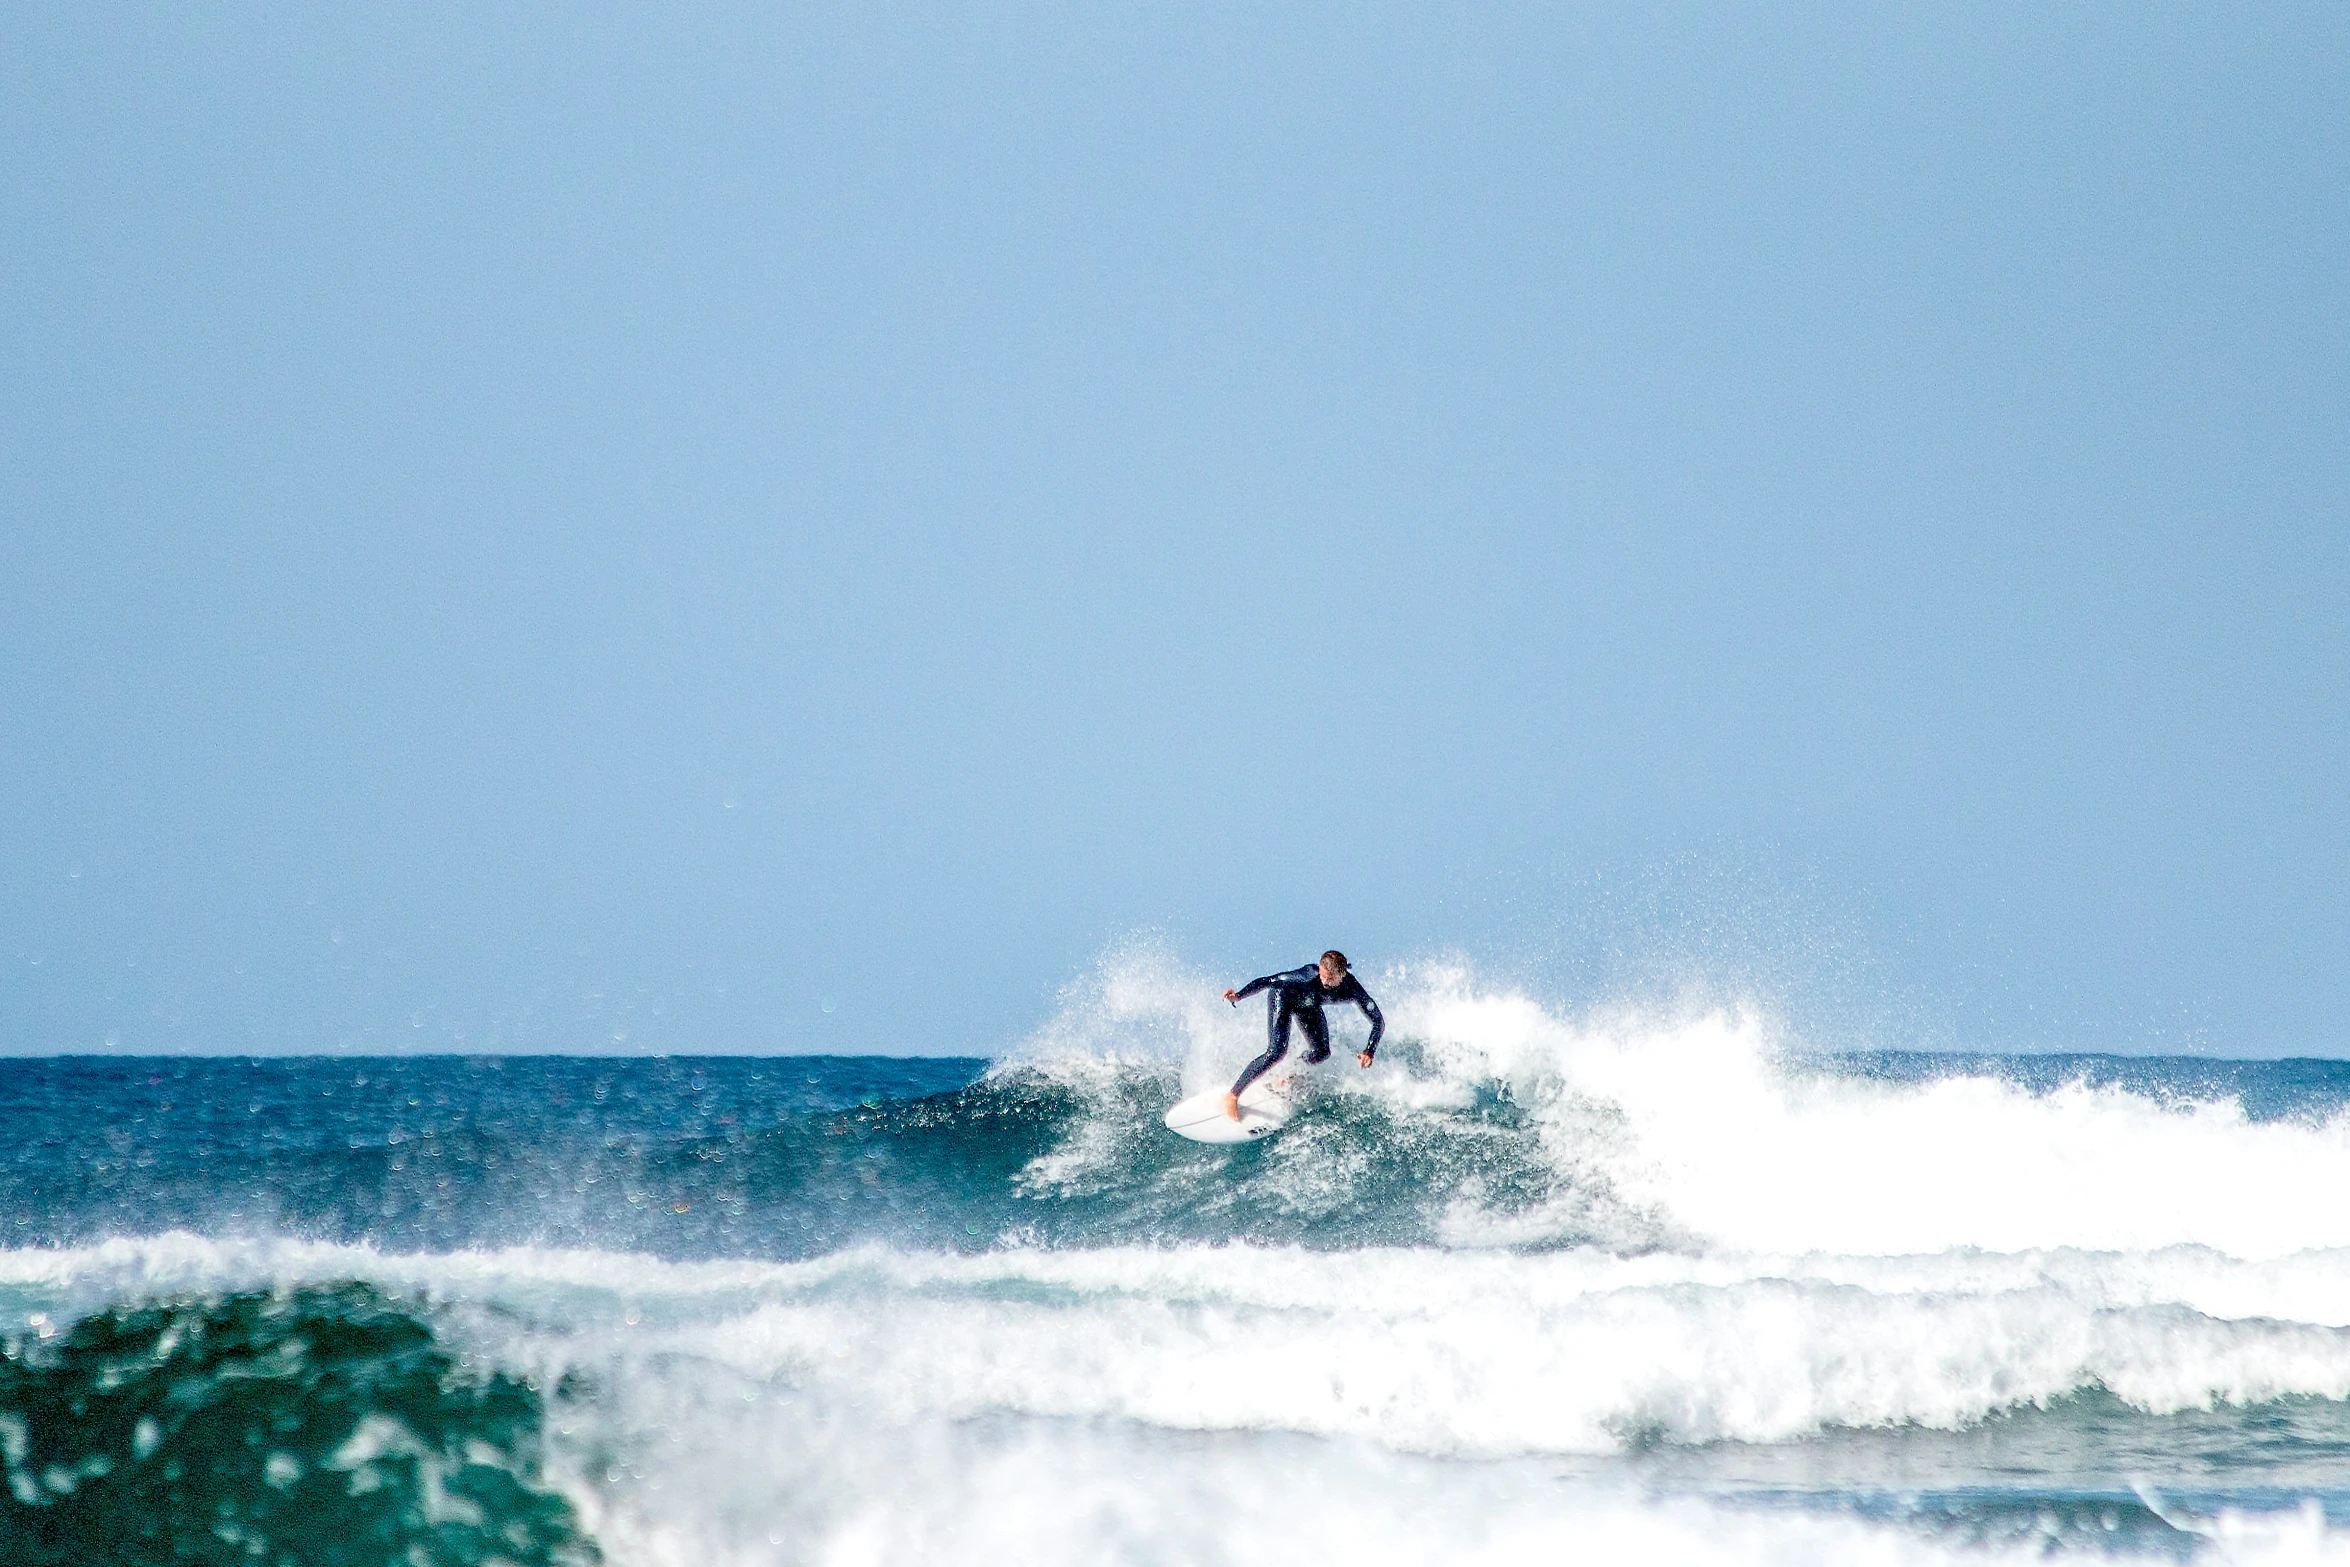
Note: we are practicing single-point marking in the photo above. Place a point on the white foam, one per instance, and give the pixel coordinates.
(1738, 1150)
(1056, 1496)
(1243, 1404)
(749, 1476)
(1479, 1357)
(1421, 1351)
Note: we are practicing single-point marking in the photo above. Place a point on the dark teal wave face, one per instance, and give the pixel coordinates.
(323, 1427)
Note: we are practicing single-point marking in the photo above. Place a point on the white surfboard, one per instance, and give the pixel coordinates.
(1264, 1110)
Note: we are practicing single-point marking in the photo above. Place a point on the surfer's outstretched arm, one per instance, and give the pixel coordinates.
(1295, 976)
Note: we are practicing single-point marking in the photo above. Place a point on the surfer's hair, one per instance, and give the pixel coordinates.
(1337, 957)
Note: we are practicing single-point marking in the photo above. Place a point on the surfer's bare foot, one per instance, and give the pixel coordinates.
(1232, 1106)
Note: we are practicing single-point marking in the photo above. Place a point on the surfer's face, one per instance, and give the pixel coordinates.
(1332, 974)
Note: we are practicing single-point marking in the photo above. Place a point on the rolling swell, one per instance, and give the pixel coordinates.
(321, 1425)
(692, 1159)
(437, 1154)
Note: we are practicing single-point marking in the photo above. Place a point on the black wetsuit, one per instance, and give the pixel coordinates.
(1299, 994)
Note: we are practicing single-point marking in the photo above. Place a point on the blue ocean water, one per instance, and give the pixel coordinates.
(1537, 1287)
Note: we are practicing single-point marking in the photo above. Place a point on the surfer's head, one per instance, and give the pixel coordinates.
(1333, 966)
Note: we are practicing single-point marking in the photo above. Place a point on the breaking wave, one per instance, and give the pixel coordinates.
(1672, 1288)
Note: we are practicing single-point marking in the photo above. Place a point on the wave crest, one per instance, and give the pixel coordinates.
(1493, 1119)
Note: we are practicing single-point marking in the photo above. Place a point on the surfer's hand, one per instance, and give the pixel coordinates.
(1232, 996)
(1364, 1059)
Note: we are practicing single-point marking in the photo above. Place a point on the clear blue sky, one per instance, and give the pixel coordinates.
(524, 526)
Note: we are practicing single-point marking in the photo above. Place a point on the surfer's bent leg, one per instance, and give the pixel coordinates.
(1317, 1029)
(1277, 1025)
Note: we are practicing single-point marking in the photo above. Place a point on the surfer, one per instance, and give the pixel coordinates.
(1299, 994)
